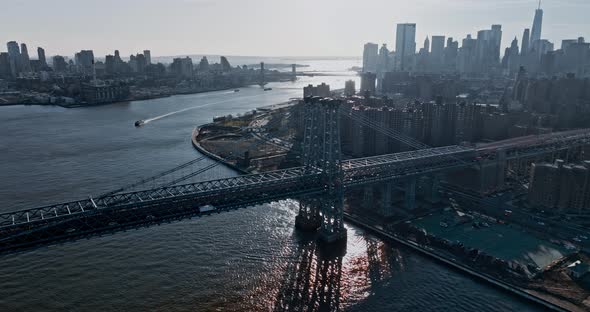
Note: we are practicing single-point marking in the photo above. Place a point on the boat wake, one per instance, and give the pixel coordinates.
(146, 121)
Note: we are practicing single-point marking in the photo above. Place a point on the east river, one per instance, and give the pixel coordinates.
(248, 260)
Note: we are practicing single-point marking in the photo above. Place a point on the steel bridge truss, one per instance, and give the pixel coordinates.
(121, 211)
(319, 185)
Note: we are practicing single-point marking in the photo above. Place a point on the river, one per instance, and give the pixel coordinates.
(247, 260)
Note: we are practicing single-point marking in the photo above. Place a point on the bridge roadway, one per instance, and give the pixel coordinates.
(73, 220)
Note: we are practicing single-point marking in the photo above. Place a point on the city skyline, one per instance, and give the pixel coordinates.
(181, 20)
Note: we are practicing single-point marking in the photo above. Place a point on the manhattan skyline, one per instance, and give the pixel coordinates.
(330, 28)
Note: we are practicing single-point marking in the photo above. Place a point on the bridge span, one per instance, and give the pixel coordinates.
(323, 176)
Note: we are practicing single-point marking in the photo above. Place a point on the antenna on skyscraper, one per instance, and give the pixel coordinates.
(539, 4)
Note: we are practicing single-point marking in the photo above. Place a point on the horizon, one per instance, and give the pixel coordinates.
(328, 34)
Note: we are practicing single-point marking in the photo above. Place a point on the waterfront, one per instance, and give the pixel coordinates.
(243, 260)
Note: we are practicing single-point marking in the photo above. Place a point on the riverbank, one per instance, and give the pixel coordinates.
(136, 95)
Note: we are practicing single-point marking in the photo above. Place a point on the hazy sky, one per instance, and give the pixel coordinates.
(268, 27)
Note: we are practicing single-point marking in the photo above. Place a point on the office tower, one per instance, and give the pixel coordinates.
(405, 46)
(349, 88)
(182, 67)
(148, 56)
(84, 60)
(141, 63)
(225, 65)
(204, 64)
(25, 59)
(496, 42)
(467, 55)
(488, 48)
(426, 47)
(41, 56)
(450, 55)
(59, 64)
(370, 56)
(368, 80)
(512, 57)
(383, 63)
(109, 64)
(5, 71)
(438, 47)
(14, 57)
(526, 40)
(537, 25)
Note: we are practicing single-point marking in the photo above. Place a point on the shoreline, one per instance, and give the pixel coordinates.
(430, 253)
(138, 98)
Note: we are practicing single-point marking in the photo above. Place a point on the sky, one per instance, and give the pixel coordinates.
(269, 27)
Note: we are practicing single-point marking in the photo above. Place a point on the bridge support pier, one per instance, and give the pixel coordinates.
(410, 194)
(308, 219)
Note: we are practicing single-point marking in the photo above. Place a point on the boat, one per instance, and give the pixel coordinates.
(237, 90)
(267, 89)
(139, 123)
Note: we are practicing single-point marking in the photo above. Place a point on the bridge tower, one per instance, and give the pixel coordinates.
(322, 153)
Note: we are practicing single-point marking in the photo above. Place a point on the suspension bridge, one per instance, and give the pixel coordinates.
(319, 184)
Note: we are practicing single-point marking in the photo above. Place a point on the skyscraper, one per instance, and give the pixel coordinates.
(148, 56)
(383, 63)
(526, 40)
(426, 45)
(405, 46)
(5, 65)
(41, 56)
(14, 57)
(438, 47)
(370, 57)
(537, 25)
(25, 59)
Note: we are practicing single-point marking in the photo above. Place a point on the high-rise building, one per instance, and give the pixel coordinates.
(59, 64)
(204, 64)
(450, 55)
(25, 59)
(41, 56)
(467, 55)
(5, 71)
(225, 65)
(537, 25)
(349, 88)
(488, 48)
(512, 57)
(383, 63)
(85, 61)
(322, 90)
(14, 58)
(405, 46)
(148, 56)
(368, 80)
(182, 67)
(370, 57)
(437, 52)
(560, 185)
(526, 40)
(426, 45)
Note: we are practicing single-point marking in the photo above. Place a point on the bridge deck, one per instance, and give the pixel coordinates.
(119, 211)
(90, 205)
